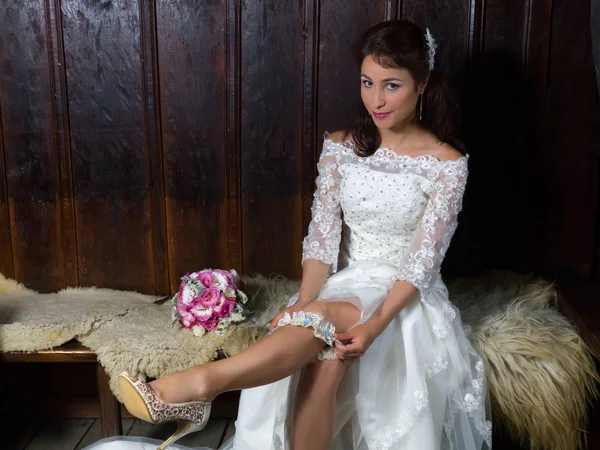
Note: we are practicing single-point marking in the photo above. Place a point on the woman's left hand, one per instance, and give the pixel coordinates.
(357, 341)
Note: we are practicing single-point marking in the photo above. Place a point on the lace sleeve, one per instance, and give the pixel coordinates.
(421, 265)
(325, 229)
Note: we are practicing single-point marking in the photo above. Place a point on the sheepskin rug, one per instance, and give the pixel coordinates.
(541, 375)
(30, 321)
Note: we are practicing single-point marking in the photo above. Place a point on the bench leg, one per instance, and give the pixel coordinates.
(110, 410)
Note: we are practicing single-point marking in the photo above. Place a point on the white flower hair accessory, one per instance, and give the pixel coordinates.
(431, 46)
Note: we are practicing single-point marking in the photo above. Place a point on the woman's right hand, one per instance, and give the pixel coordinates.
(296, 307)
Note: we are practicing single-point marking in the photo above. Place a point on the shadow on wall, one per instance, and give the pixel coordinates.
(595, 29)
(500, 214)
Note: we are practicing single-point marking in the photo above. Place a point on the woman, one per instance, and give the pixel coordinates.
(373, 356)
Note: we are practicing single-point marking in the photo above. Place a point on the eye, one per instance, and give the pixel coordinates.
(367, 83)
(392, 86)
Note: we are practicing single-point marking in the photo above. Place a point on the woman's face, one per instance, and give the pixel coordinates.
(389, 94)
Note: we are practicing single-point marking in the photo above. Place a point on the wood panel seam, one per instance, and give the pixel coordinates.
(153, 144)
(11, 258)
(62, 145)
(549, 63)
(310, 114)
(392, 9)
(476, 30)
(526, 42)
(233, 160)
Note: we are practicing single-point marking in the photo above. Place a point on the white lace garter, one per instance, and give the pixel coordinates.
(324, 330)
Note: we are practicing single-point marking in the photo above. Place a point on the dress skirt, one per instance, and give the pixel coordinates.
(419, 386)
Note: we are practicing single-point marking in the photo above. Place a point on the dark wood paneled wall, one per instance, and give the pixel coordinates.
(140, 140)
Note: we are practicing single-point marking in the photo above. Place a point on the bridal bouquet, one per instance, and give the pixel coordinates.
(209, 300)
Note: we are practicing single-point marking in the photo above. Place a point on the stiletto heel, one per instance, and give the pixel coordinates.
(142, 402)
(183, 428)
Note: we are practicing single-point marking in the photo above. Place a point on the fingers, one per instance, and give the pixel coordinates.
(350, 351)
(354, 347)
(274, 322)
(347, 357)
(277, 319)
(342, 336)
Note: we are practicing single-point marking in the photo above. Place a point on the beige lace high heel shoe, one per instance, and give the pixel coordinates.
(142, 402)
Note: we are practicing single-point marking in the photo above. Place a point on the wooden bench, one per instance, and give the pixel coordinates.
(225, 405)
(73, 351)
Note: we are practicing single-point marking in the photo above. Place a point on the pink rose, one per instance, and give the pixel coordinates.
(193, 302)
(211, 323)
(210, 296)
(206, 278)
(227, 274)
(186, 294)
(201, 313)
(224, 307)
(186, 319)
(232, 279)
(186, 323)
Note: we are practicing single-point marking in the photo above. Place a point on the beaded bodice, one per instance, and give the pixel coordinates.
(386, 207)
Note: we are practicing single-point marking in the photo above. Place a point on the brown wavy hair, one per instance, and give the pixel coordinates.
(402, 44)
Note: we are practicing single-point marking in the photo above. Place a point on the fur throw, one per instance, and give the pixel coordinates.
(30, 321)
(541, 375)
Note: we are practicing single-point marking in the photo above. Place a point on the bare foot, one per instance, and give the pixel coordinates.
(182, 387)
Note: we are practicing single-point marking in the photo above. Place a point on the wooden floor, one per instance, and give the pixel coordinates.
(75, 434)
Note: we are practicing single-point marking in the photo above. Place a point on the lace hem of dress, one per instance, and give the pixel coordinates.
(472, 405)
(415, 275)
(389, 436)
(323, 329)
(314, 250)
(472, 402)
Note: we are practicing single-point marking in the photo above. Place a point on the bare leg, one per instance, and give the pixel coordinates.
(314, 414)
(277, 356)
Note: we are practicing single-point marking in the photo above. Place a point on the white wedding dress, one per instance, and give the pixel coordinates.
(421, 385)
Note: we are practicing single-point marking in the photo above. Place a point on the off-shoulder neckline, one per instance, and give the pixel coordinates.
(397, 156)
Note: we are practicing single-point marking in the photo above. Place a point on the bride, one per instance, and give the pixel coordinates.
(370, 353)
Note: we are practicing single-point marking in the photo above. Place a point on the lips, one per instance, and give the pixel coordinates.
(380, 115)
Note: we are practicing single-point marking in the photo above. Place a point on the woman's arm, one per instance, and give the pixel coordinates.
(359, 339)
(399, 296)
(314, 273)
(321, 245)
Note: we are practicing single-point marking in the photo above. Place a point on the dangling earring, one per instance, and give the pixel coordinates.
(421, 107)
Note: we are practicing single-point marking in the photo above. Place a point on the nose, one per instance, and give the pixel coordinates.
(379, 98)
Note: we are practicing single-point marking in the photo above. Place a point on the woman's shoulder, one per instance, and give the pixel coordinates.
(445, 152)
(338, 143)
(338, 136)
(442, 151)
